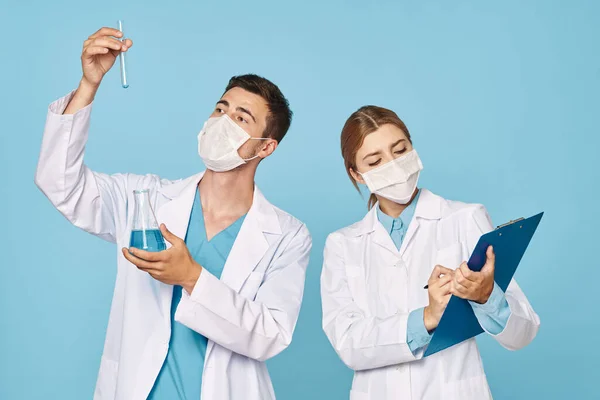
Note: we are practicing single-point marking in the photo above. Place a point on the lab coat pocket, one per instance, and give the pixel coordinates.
(357, 285)
(450, 256)
(106, 385)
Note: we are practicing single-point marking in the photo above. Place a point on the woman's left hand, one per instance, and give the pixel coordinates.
(475, 286)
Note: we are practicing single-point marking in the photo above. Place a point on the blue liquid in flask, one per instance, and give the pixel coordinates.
(154, 240)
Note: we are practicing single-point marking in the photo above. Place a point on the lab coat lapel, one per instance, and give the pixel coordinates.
(413, 227)
(383, 238)
(175, 215)
(251, 244)
(428, 207)
(380, 236)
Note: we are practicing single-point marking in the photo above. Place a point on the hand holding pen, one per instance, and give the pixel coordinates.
(439, 287)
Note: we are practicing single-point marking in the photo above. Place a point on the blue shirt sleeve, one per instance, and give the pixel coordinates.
(416, 333)
(493, 314)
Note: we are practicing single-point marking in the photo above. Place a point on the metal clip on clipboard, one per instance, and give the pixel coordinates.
(510, 223)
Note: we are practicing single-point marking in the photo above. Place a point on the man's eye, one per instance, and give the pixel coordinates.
(242, 120)
(219, 110)
(375, 163)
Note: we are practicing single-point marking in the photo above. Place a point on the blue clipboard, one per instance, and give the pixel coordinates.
(459, 323)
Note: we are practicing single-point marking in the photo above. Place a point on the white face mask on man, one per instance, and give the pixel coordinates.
(219, 141)
(395, 180)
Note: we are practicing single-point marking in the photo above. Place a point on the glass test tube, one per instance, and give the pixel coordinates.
(122, 59)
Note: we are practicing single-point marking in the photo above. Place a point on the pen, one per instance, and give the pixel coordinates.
(427, 286)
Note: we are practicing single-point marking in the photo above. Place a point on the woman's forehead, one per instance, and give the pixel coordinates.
(383, 137)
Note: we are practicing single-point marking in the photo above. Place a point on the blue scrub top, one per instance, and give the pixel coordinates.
(180, 377)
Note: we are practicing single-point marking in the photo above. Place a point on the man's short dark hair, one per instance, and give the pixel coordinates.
(280, 115)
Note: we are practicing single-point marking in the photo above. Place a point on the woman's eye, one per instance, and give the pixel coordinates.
(374, 163)
(400, 151)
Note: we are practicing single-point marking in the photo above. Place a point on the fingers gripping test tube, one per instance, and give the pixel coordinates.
(124, 82)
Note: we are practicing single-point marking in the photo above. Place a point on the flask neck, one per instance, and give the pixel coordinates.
(143, 217)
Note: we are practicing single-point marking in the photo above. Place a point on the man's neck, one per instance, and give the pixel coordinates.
(226, 194)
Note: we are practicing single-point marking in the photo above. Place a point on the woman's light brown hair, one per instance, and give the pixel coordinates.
(362, 122)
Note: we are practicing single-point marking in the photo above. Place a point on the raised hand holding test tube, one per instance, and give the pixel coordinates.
(100, 51)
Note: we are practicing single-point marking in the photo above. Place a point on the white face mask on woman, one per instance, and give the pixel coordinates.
(395, 180)
(219, 141)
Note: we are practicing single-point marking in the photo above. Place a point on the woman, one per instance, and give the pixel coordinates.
(376, 313)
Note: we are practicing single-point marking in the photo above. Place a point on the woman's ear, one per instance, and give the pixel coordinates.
(356, 176)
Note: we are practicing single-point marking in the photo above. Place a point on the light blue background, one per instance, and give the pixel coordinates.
(502, 101)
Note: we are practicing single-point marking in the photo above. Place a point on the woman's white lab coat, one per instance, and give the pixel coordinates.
(248, 316)
(369, 288)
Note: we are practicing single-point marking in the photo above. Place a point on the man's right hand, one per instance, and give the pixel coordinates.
(99, 53)
(439, 295)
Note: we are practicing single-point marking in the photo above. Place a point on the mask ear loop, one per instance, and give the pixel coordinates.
(256, 156)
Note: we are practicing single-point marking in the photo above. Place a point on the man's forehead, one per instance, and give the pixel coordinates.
(240, 97)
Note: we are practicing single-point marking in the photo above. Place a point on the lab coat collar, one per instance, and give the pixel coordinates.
(183, 191)
(428, 207)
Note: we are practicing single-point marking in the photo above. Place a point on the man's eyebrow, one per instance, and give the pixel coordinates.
(244, 110)
(224, 102)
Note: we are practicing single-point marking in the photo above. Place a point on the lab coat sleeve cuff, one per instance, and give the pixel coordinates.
(416, 333)
(205, 281)
(191, 304)
(210, 298)
(58, 107)
(521, 326)
(205, 298)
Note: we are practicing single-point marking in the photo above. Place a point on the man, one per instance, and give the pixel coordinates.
(199, 319)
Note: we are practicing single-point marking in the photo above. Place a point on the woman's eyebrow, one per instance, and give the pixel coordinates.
(372, 154)
(397, 143)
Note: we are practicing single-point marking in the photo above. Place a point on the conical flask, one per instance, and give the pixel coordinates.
(145, 233)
